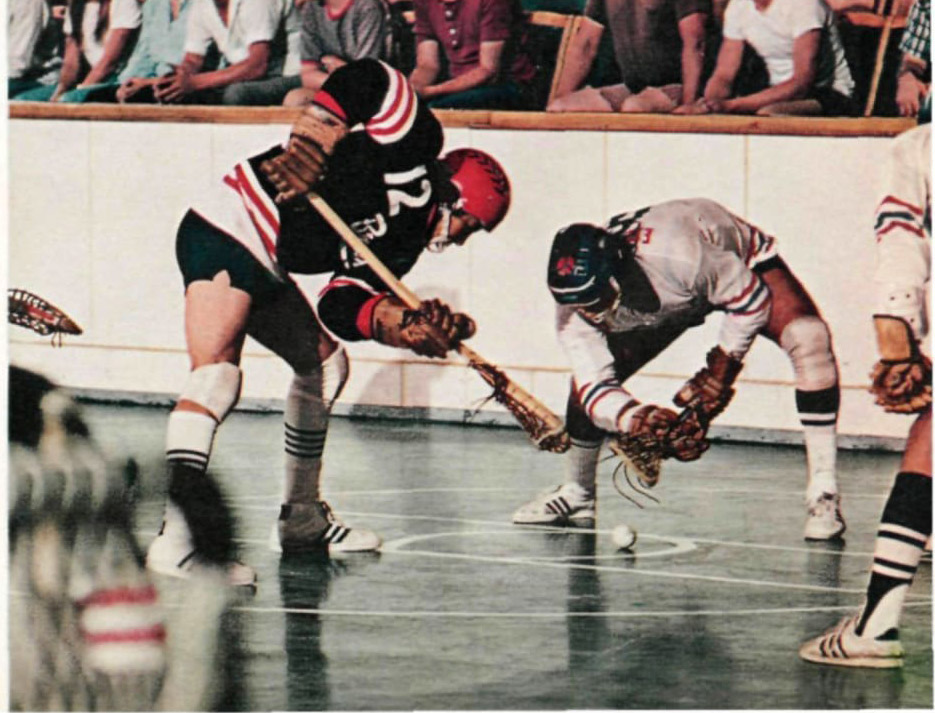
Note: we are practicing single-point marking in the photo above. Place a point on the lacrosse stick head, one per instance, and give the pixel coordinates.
(28, 310)
(640, 461)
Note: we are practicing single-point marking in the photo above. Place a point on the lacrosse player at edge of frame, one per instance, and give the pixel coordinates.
(236, 248)
(902, 383)
(625, 291)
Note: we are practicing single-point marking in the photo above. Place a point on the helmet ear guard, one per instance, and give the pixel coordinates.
(483, 188)
(581, 263)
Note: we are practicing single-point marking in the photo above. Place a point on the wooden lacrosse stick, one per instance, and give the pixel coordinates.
(544, 428)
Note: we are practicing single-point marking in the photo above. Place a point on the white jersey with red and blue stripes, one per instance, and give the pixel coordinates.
(698, 257)
(903, 230)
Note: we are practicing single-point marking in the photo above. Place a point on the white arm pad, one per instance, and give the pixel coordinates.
(907, 303)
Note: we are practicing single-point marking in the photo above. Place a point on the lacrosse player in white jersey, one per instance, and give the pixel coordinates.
(902, 383)
(625, 291)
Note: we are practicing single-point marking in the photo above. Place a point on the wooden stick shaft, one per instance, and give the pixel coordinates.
(397, 287)
(409, 298)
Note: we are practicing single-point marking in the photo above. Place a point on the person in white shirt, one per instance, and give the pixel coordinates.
(627, 290)
(800, 45)
(33, 59)
(252, 39)
(100, 35)
(902, 383)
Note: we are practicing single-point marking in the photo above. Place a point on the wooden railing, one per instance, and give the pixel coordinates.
(512, 120)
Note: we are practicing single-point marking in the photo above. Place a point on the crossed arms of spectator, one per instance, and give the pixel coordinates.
(428, 66)
(188, 77)
(718, 91)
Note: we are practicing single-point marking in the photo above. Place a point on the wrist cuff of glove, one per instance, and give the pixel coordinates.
(895, 340)
(364, 320)
(723, 365)
(625, 416)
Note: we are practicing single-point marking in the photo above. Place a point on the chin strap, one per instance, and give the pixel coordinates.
(440, 240)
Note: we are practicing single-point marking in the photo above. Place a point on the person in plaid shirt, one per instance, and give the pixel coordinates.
(915, 69)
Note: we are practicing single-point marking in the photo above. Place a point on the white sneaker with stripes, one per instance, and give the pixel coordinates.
(310, 527)
(565, 503)
(172, 554)
(841, 646)
(824, 520)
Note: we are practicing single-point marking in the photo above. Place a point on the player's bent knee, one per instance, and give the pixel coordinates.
(807, 341)
(214, 387)
(324, 382)
(334, 373)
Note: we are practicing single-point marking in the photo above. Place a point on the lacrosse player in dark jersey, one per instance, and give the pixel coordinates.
(370, 148)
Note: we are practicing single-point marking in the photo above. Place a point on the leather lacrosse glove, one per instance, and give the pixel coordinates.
(674, 436)
(709, 391)
(432, 330)
(685, 440)
(901, 381)
(304, 161)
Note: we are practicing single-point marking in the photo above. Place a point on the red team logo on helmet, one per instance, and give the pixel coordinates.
(483, 184)
(565, 266)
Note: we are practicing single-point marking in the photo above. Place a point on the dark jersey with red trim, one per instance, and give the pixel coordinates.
(379, 180)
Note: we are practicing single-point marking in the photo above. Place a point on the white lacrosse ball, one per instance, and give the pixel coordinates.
(623, 536)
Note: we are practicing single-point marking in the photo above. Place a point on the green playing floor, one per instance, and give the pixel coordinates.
(462, 610)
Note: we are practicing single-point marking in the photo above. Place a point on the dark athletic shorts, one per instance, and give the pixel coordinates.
(203, 250)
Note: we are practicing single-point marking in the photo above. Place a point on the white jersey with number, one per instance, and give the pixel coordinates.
(903, 231)
(698, 257)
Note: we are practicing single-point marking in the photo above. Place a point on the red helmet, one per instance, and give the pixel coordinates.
(482, 183)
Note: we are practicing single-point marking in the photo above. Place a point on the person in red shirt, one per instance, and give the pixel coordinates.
(482, 41)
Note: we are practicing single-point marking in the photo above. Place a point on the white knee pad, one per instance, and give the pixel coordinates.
(214, 387)
(808, 343)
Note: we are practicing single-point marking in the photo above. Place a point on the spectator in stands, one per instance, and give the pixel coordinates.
(334, 32)
(482, 40)
(33, 39)
(915, 68)
(159, 49)
(799, 43)
(100, 34)
(660, 50)
(252, 37)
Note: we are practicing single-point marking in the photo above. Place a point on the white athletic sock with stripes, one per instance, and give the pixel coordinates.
(581, 464)
(818, 413)
(894, 563)
(821, 448)
(189, 439)
(904, 528)
(306, 426)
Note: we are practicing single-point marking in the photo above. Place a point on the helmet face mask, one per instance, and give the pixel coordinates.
(453, 227)
(607, 304)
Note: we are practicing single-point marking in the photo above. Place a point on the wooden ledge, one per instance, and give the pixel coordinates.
(512, 120)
